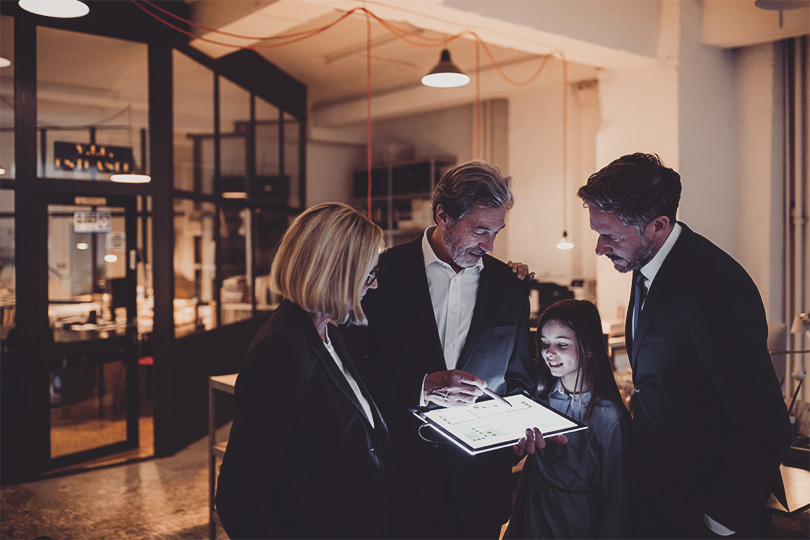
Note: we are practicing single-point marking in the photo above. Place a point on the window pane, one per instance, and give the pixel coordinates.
(8, 297)
(7, 161)
(194, 305)
(234, 103)
(94, 113)
(292, 158)
(193, 125)
(237, 281)
(86, 270)
(271, 186)
(145, 289)
(270, 227)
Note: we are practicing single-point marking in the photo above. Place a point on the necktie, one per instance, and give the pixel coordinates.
(640, 296)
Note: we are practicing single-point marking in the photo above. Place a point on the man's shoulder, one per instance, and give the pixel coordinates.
(704, 256)
(502, 272)
(404, 251)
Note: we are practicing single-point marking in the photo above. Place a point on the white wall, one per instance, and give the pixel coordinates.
(705, 132)
(758, 188)
(444, 132)
(330, 165)
(535, 224)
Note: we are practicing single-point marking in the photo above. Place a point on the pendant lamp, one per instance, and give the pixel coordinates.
(131, 178)
(564, 242)
(63, 9)
(781, 4)
(445, 74)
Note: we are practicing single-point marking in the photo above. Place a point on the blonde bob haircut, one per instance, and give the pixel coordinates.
(324, 259)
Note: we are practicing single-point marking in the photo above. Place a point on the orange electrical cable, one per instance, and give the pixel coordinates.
(478, 128)
(291, 38)
(565, 138)
(294, 37)
(368, 108)
(407, 36)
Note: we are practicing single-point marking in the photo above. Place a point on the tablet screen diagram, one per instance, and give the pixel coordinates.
(488, 425)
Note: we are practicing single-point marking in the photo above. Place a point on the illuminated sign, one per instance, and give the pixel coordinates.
(92, 222)
(84, 157)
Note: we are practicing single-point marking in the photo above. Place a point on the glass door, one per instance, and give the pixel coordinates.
(92, 365)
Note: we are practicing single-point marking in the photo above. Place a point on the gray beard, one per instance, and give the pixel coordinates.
(641, 256)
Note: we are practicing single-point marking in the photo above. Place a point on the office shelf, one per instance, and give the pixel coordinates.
(401, 195)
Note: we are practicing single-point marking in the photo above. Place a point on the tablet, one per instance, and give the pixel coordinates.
(489, 424)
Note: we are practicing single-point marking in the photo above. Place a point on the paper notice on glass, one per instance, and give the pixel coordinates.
(488, 425)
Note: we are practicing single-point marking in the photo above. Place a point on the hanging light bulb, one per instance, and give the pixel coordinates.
(445, 74)
(63, 9)
(564, 242)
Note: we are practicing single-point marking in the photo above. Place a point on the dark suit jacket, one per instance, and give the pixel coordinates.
(405, 346)
(710, 425)
(302, 458)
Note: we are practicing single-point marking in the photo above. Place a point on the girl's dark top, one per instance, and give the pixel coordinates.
(581, 489)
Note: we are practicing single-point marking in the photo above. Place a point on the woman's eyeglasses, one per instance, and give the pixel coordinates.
(372, 277)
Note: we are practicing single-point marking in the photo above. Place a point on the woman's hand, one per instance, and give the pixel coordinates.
(534, 441)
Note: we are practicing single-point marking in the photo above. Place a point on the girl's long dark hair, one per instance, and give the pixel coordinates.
(596, 372)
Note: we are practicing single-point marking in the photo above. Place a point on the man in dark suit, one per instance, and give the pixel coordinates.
(710, 426)
(446, 321)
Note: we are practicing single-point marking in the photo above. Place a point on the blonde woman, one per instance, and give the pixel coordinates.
(308, 453)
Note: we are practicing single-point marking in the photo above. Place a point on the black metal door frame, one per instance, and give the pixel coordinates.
(125, 344)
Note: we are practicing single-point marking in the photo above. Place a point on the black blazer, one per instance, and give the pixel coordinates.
(302, 458)
(405, 346)
(710, 425)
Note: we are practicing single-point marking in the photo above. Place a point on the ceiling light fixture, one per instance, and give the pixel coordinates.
(445, 74)
(4, 62)
(564, 242)
(63, 9)
(781, 4)
(131, 178)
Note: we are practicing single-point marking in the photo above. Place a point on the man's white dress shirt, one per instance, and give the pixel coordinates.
(453, 297)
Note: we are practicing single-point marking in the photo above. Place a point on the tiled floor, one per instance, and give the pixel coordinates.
(154, 499)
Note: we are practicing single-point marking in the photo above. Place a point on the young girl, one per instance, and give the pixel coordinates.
(578, 489)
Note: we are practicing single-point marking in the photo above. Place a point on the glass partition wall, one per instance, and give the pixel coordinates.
(237, 184)
(90, 253)
(8, 297)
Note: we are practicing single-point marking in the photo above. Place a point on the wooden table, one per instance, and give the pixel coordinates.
(217, 383)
